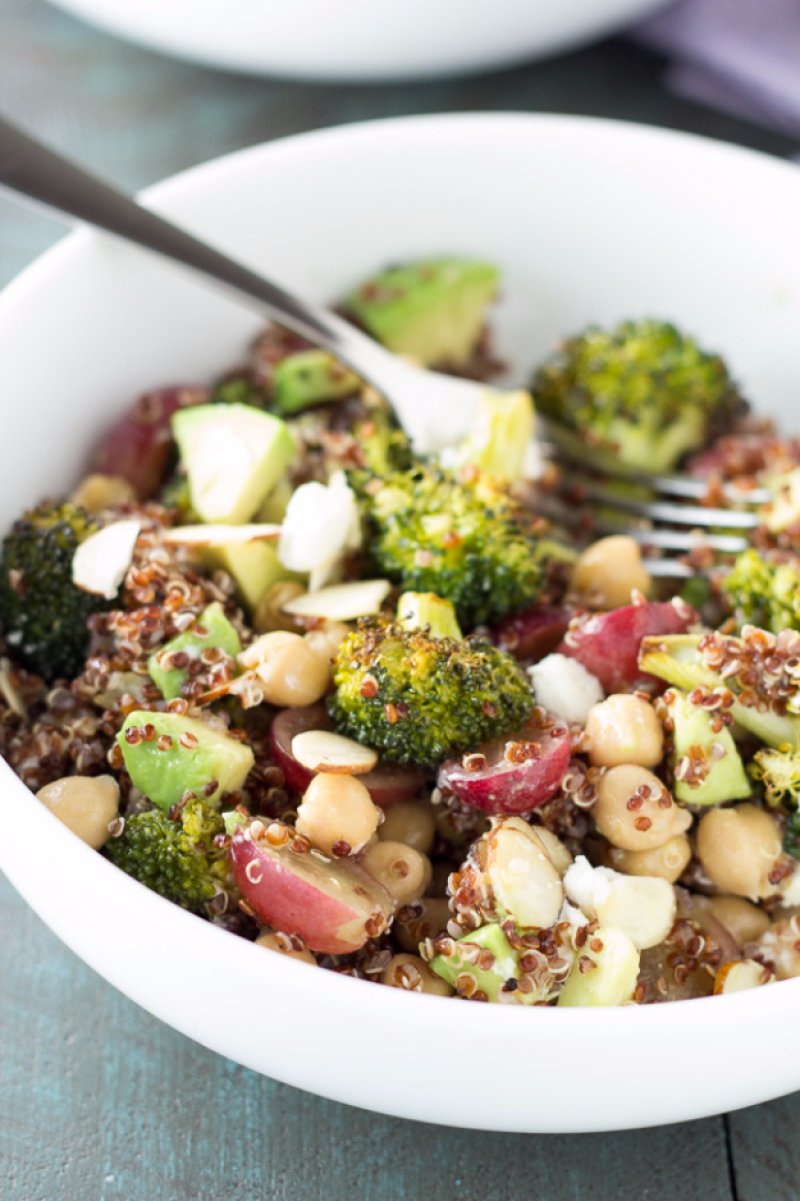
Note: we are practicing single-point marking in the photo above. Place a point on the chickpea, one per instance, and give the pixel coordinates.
(403, 872)
(608, 571)
(283, 944)
(411, 822)
(289, 670)
(420, 920)
(743, 920)
(624, 729)
(738, 849)
(268, 614)
(337, 815)
(86, 804)
(413, 974)
(634, 810)
(97, 492)
(326, 639)
(668, 862)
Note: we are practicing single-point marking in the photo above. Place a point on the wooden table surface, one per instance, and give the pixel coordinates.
(98, 1100)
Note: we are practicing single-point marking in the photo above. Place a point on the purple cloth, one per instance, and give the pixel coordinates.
(742, 56)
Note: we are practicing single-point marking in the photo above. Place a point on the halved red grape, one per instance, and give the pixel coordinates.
(607, 644)
(388, 783)
(513, 774)
(333, 904)
(533, 633)
(139, 445)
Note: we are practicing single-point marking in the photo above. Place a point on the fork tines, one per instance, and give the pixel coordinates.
(664, 513)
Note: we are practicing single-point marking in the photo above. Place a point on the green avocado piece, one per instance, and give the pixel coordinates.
(273, 507)
(212, 629)
(432, 310)
(721, 774)
(309, 378)
(234, 455)
(254, 566)
(196, 759)
(489, 980)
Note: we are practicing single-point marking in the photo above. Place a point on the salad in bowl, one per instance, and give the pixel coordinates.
(377, 712)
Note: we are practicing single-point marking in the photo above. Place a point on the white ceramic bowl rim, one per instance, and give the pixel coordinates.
(165, 942)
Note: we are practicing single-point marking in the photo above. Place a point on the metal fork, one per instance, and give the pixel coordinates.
(671, 518)
(435, 410)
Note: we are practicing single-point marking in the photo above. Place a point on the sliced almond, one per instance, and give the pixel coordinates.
(341, 602)
(740, 975)
(322, 750)
(215, 534)
(521, 873)
(101, 562)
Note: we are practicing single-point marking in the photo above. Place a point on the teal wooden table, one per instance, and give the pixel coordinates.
(98, 1100)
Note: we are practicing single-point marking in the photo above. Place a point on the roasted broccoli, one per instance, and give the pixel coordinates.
(382, 445)
(42, 612)
(764, 590)
(419, 698)
(181, 855)
(753, 679)
(460, 536)
(500, 437)
(779, 774)
(240, 390)
(643, 393)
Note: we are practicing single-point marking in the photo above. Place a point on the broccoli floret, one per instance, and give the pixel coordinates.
(500, 436)
(239, 390)
(460, 536)
(779, 774)
(419, 698)
(764, 590)
(753, 679)
(181, 855)
(383, 445)
(643, 393)
(42, 612)
(176, 494)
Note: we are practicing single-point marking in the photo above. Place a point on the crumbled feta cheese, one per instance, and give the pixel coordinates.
(564, 687)
(321, 524)
(587, 886)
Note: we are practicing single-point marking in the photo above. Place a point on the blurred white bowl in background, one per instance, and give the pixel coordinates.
(365, 40)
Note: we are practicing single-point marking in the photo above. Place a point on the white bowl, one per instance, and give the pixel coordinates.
(360, 39)
(588, 220)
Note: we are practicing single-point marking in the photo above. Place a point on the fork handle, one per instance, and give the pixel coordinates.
(33, 170)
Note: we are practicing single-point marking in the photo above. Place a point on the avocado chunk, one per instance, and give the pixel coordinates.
(212, 629)
(234, 455)
(707, 767)
(432, 310)
(168, 755)
(487, 980)
(426, 610)
(308, 378)
(604, 972)
(500, 436)
(254, 567)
